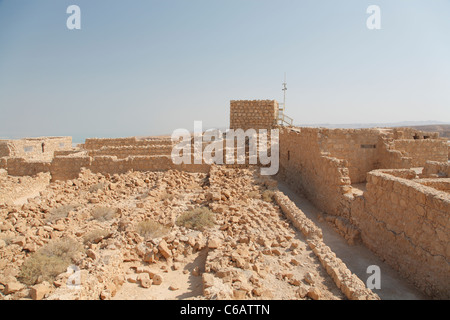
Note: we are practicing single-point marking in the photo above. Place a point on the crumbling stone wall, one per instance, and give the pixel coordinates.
(4, 149)
(436, 169)
(349, 283)
(97, 144)
(388, 157)
(358, 146)
(31, 148)
(442, 184)
(410, 133)
(322, 179)
(112, 165)
(369, 149)
(23, 167)
(3, 163)
(68, 167)
(123, 152)
(256, 114)
(407, 224)
(420, 151)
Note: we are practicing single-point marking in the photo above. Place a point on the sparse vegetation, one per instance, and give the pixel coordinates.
(151, 229)
(268, 195)
(167, 196)
(104, 213)
(254, 195)
(50, 261)
(197, 219)
(60, 212)
(95, 236)
(7, 239)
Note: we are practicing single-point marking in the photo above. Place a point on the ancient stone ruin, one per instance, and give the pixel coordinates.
(117, 219)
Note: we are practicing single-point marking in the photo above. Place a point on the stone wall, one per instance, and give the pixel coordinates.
(407, 224)
(4, 149)
(410, 133)
(345, 280)
(23, 167)
(420, 151)
(69, 167)
(442, 184)
(369, 149)
(31, 148)
(436, 169)
(358, 146)
(96, 143)
(127, 151)
(388, 157)
(322, 179)
(256, 114)
(3, 163)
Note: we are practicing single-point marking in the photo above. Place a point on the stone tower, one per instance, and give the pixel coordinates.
(253, 114)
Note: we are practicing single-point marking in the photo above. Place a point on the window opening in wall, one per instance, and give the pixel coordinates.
(368, 146)
(61, 145)
(28, 149)
(289, 155)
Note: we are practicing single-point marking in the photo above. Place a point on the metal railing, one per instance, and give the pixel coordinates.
(284, 119)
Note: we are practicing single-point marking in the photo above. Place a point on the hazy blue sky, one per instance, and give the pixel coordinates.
(148, 67)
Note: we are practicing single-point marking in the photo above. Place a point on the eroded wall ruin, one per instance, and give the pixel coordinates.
(34, 148)
(400, 215)
(407, 224)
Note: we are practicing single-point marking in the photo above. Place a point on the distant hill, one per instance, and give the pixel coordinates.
(430, 126)
(443, 129)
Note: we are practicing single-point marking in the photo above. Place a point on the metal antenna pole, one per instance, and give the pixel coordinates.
(281, 110)
(284, 90)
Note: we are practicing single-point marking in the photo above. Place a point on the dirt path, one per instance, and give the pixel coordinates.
(357, 257)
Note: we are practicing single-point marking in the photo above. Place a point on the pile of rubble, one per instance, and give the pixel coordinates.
(252, 251)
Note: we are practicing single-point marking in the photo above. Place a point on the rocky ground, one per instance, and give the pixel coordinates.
(120, 237)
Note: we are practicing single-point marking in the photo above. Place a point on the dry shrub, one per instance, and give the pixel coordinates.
(60, 212)
(104, 213)
(197, 219)
(254, 195)
(268, 195)
(8, 239)
(151, 229)
(49, 261)
(95, 236)
(167, 196)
